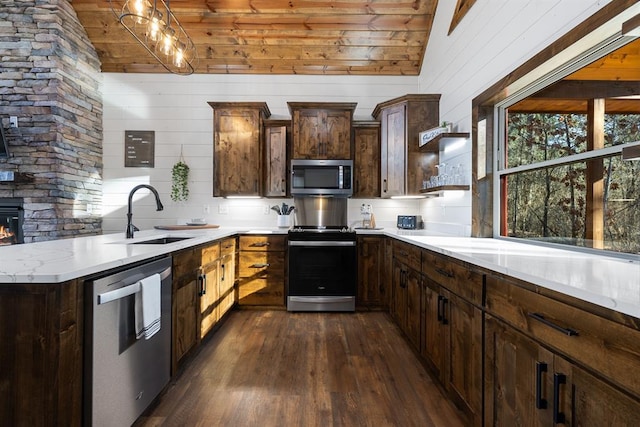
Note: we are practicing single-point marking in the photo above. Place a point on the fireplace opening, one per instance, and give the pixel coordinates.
(11, 221)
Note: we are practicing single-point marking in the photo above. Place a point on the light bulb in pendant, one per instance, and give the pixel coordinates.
(139, 11)
(139, 7)
(154, 26)
(178, 57)
(167, 41)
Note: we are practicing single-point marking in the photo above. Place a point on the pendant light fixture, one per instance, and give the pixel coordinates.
(156, 28)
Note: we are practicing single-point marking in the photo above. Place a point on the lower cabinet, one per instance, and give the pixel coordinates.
(208, 288)
(372, 291)
(528, 384)
(452, 345)
(185, 303)
(406, 292)
(261, 281)
(203, 292)
(227, 276)
(555, 362)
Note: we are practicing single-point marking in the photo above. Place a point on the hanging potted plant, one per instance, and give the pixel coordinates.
(180, 180)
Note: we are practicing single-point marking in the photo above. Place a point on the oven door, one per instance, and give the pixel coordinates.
(322, 276)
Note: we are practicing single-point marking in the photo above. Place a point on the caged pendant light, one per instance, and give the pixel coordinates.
(156, 28)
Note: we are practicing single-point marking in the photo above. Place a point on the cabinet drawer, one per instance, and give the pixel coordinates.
(227, 246)
(608, 348)
(210, 253)
(458, 278)
(408, 254)
(261, 292)
(262, 243)
(261, 264)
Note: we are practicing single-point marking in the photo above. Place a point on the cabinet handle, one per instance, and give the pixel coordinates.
(260, 265)
(443, 272)
(540, 402)
(440, 298)
(384, 185)
(222, 276)
(260, 244)
(445, 301)
(202, 279)
(540, 318)
(558, 380)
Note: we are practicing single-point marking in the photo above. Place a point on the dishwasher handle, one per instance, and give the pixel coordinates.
(126, 290)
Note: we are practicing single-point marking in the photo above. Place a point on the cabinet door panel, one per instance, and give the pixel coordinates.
(237, 148)
(226, 284)
(465, 351)
(371, 290)
(276, 161)
(307, 135)
(399, 294)
(186, 302)
(588, 401)
(209, 299)
(512, 362)
(366, 161)
(433, 345)
(413, 321)
(393, 152)
(337, 140)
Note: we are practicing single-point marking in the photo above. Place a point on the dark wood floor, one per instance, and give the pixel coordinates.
(273, 368)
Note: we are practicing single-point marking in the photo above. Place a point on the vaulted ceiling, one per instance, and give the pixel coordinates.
(347, 37)
(614, 77)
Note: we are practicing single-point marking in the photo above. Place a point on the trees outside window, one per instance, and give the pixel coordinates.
(551, 172)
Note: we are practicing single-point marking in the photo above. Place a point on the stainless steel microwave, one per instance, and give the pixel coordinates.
(321, 177)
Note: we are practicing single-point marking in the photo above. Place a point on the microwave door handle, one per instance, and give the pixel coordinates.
(340, 177)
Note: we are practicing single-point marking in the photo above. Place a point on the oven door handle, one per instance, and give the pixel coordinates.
(324, 300)
(321, 243)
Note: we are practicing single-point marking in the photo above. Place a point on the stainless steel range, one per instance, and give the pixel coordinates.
(322, 257)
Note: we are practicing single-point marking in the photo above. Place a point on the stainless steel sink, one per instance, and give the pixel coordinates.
(160, 241)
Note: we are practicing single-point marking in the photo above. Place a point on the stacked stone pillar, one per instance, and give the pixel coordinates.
(50, 79)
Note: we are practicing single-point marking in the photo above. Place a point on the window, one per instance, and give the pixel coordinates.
(561, 178)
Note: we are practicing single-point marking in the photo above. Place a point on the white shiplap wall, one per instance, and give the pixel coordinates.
(494, 38)
(176, 109)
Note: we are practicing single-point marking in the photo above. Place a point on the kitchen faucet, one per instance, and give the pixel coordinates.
(130, 227)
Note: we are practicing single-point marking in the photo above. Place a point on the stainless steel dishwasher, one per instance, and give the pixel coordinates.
(123, 375)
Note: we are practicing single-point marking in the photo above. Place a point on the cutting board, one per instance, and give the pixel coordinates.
(185, 227)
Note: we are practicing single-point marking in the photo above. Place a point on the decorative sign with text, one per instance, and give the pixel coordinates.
(139, 148)
(430, 134)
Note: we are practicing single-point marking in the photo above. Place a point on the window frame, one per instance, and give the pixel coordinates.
(500, 110)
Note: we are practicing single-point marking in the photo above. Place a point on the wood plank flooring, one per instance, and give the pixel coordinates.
(274, 368)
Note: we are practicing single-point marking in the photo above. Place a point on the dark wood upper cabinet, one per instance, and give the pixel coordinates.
(237, 154)
(403, 166)
(276, 137)
(321, 130)
(366, 159)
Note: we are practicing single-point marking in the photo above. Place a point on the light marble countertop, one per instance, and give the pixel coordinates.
(609, 282)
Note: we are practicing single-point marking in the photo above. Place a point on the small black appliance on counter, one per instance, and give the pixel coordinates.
(410, 222)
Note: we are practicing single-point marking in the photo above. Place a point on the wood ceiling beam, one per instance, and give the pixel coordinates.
(577, 89)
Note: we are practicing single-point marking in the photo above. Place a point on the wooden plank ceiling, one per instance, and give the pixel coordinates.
(615, 77)
(346, 37)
